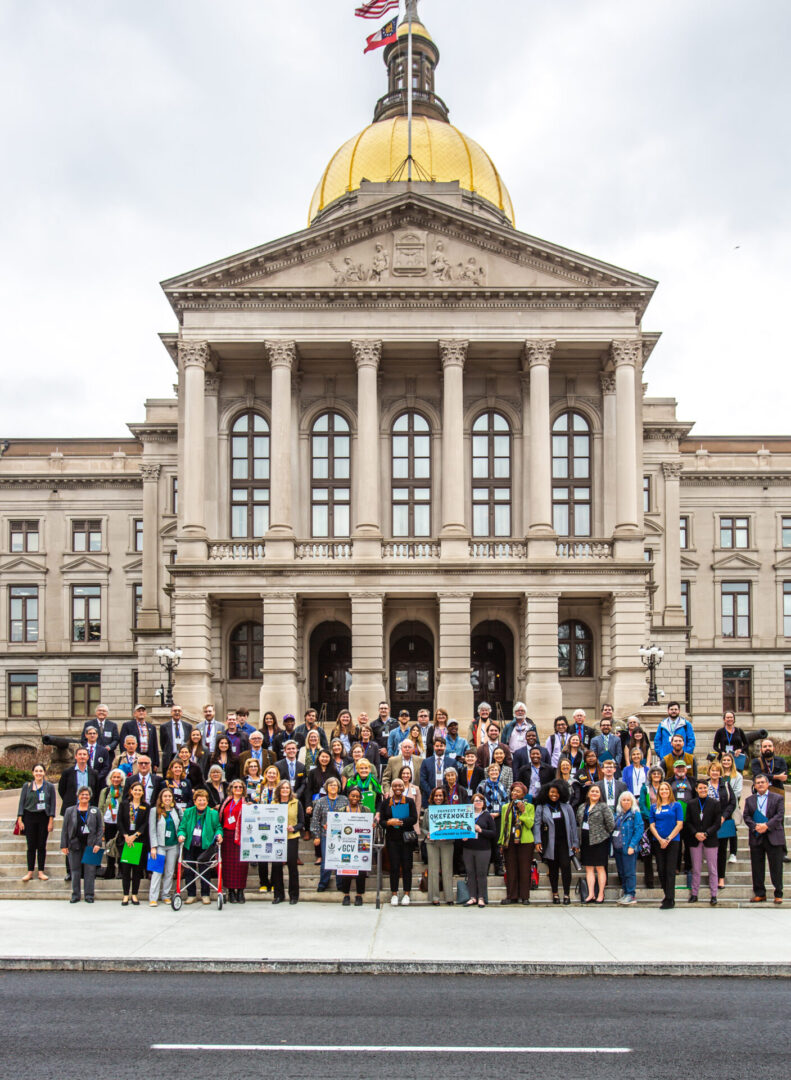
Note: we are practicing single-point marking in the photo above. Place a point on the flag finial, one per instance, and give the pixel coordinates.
(411, 11)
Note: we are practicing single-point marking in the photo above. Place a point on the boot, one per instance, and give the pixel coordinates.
(232, 896)
(240, 896)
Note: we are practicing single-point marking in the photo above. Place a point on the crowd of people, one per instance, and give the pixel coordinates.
(139, 797)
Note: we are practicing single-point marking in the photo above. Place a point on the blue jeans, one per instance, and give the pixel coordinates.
(325, 877)
(627, 871)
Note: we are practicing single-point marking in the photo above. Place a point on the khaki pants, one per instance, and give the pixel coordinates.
(440, 856)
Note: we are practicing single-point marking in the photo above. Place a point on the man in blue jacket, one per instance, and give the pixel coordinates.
(674, 724)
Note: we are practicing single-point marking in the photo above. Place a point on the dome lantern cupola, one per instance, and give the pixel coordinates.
(425, 57)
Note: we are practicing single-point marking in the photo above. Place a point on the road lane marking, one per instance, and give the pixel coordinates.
(311, 1049)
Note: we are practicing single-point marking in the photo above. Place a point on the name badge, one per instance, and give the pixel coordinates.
(231, 819)
(85, 830)
(41, 801)
(585, 825)
(616, 832)
(556, 814)
(197, 836)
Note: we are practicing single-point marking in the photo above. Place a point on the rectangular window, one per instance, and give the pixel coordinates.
(685, 601)
(23, 613)
(737, 690)
(23, 694)
(23, 536)
(86, 613)
(138, 534)
(174, 494)
(137, 602)
(646, 494)
(688, 688)
(787, 609)
(785, 532)
(684, 533)
(734, 532)
(86, 535)
(86, 691)
(736, 609)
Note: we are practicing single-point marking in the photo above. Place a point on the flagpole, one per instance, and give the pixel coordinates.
(409, 95)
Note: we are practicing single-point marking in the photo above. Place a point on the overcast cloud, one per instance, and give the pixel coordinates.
(142, 138)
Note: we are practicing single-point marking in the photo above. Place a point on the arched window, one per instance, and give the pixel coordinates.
(571, 475)
(249, 476)
(330, 475)
(247, 651)
(411, 475)
(575, 650)
(491, 475)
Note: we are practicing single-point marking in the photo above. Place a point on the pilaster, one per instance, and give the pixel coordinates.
(673, 613)
(454, 689)
(368, 665)
(280, 537)
(454, 534)
(543, 694)
(279, 680)
(367, 530)
(193, 359)
(540, 531)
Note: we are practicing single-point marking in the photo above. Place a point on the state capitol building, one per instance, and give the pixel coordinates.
(410, 457)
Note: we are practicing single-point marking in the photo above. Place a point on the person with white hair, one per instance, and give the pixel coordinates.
(515, 732)
(629, 829)
(480, 723)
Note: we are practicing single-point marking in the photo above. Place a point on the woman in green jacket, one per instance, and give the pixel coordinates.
(199, 831)
(516, 843)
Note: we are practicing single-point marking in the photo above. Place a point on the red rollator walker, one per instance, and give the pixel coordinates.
(202, 868)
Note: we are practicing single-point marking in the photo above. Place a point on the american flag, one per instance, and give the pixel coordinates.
(375, 9)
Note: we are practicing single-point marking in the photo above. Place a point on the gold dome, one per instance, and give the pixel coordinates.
(439, 149)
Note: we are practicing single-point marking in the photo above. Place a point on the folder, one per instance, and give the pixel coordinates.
(759, 818)
(91, 858)
(156, 865)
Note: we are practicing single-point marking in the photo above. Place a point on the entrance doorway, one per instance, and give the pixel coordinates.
(330, 668)
(491, 666)
(411, 669)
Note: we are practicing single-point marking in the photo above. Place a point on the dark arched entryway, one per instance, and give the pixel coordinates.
(330, 668)
(492, 666)
(411, 669)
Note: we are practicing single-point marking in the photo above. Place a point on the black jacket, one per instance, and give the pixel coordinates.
(282, 738)
(483, 839)
(739, 743)
(545, 774)
(67, 788)
(102, 761)
(395, 833)
(130, 728)
(478, 777)
(108, 733)
(71, 834)
(125, 824)
(707, 822)
(166, 744)
(300, 776)
(157, 783)
(315, 782)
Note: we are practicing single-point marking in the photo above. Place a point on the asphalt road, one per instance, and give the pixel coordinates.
(100, 1026)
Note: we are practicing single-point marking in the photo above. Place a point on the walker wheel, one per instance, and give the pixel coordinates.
(220, 901)
(176, 902)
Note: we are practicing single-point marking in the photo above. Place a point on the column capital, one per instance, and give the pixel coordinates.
(193, 354)
(367, 353)
(607, 380)
(671, 470)
(281, 353)
(538, 353)
(453, 353)
(629, 352)
(150, 472)
(211, 382)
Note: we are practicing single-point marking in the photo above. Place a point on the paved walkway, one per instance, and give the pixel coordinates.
(319, 937)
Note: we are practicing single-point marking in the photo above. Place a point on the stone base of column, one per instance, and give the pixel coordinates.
(541, 548)
(280, 694)
(455, 694)
(279, 548)
(367, 547)
(628, 547)
(148, 619)
(673, 615)
(627, 531)
(454, 548)
(365, 693)
(544, 699)
(191, 690)
(191, 549)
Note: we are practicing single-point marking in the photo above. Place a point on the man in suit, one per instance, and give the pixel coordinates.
(522, 756)
(398, 761)
(289, 732)
(257, 751)
(486, 749)
(763, 815)
(610, 787)
(209, 728)
(606, 745)
(312, 721)
(470, 772)
(82, 775)
(579, 727)
(536, 774)
(100, 758)
(677, 754)
(108, 731)
(173, 734)
(144, 732)
(703, 822)
(152, 784)
(432, 771)
(291, 769)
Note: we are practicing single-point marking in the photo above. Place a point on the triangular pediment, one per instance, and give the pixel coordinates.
(736, 561)
(82, 562)
(134, 566)
(411, 242)
(169, 529)
(783, 564)
(652, 528)
(20, 564)
(689, 564)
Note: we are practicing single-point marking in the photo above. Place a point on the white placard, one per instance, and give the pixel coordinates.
(264, 832)
(350, 841)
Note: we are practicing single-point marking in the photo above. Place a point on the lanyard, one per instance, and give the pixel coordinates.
(701, 805)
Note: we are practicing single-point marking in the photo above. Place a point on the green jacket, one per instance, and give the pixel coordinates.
(212, 829)
(527, 817)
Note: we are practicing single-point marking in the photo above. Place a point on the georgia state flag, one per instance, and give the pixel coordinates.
(383, 36)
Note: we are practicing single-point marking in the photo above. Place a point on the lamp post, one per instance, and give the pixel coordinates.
(169, 659)
(651, 655)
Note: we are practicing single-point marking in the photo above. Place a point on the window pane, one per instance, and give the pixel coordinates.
(241, 424)
(422, 521)
(582, 520)
(339, 423)
(400, 446)
(261, 469)
(402, 423)
(580, 423)
(400, 468)
(321, 446)
(502, 468)
(480, 446)
(480, 494)
(422, 494)
(480, 468)
(562, 423)
(419, 423)
(321, 469)
(400, 521)
(421, 446)
(422, 468)
(481, 423)
(341, 520)
(259, 423)
(260, 520)
(502, 521)
(581, 468)
(239, 470)
(400, 494)
(341, 446)
(238, 521)
(480, 520)
(320, 521)
(581, 446)
(502, 446)
(341, 468)
(499, 423)
(560, 468)
(322, 423)
(320, 494)
(564, 664)
(341, 495)
(560, 519)
(239, 447)
(560, 446)
(261, 446)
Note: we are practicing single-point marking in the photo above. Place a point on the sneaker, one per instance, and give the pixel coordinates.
(405, 900)
(622, 901)
(692, 899)
(731, 858)
(394, 901)
(347, 900)
(205, 899)
(165, 899)
(152, 903)
(631, 900)
(263, 888)
(191, 900)
(358, 901)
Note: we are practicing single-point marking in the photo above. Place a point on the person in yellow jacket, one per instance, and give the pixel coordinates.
(199, 831)
(517, 845)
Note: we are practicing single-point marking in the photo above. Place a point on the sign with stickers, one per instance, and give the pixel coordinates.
(447, 822)
(264, 833)
(350, 842)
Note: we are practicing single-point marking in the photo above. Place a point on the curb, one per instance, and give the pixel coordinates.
(394, 967)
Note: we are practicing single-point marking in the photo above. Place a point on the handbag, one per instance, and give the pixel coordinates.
(17, 829)
(409, 836)
(534, 875)
(581, 889)
(644, 847)
(462, 891)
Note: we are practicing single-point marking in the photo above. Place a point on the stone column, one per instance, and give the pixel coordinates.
(543, 694)
(540, 530)
(673, 614)
(193, 358)
(214, 511)
(148, 618)
(367, 529)
(609, 455)
(192, 634)
(628, 622)
(626, 355)
(454, 689)
(454, 534)
(368, 663)
(279, 678)
(280, 537)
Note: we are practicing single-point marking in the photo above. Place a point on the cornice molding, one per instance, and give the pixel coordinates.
(60, 480)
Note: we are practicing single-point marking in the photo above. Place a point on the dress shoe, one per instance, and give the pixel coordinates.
(240, 896)
(88, 899)
(566, 900)
(555, 899)
(666, 905)
(278, 900)
(74, 900)
(346, 902)
(778, 899)
(524, 901)
(135, 901)
(758, 900)
(125, 902)
(358, 901)
(713, 901)
(232, 896)
(692, 899)
(507, 901)
(293, 901)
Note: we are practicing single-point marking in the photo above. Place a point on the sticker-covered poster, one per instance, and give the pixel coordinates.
(447, 822)
(264, 833)
(350, 842)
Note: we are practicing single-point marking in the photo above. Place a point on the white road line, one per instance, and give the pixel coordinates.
(305, 1048)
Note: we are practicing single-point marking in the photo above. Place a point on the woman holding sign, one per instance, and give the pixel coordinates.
(516, 840)
(234, 872)
(296, 823)
(399, 817)
(344, 881)
(478, 852)
(163, 823)
(132, 825)
(332, 802)
(440, 854)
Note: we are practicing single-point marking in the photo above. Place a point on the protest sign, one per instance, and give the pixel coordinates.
(350, 841)
(264, 833)
(451, 822)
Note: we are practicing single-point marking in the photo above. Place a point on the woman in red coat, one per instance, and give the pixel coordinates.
(234, 872)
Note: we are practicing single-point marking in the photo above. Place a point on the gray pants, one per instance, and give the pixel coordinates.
(80, 871)
(165, 879)
(476, 863)
(440, 856)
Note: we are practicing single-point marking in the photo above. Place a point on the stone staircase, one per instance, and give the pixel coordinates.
(737, 891)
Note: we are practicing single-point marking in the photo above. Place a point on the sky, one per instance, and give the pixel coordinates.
(142, 138)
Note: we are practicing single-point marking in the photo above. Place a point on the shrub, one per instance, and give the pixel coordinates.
(13, 778)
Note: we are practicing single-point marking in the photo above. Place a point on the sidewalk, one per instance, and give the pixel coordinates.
(318, 938)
